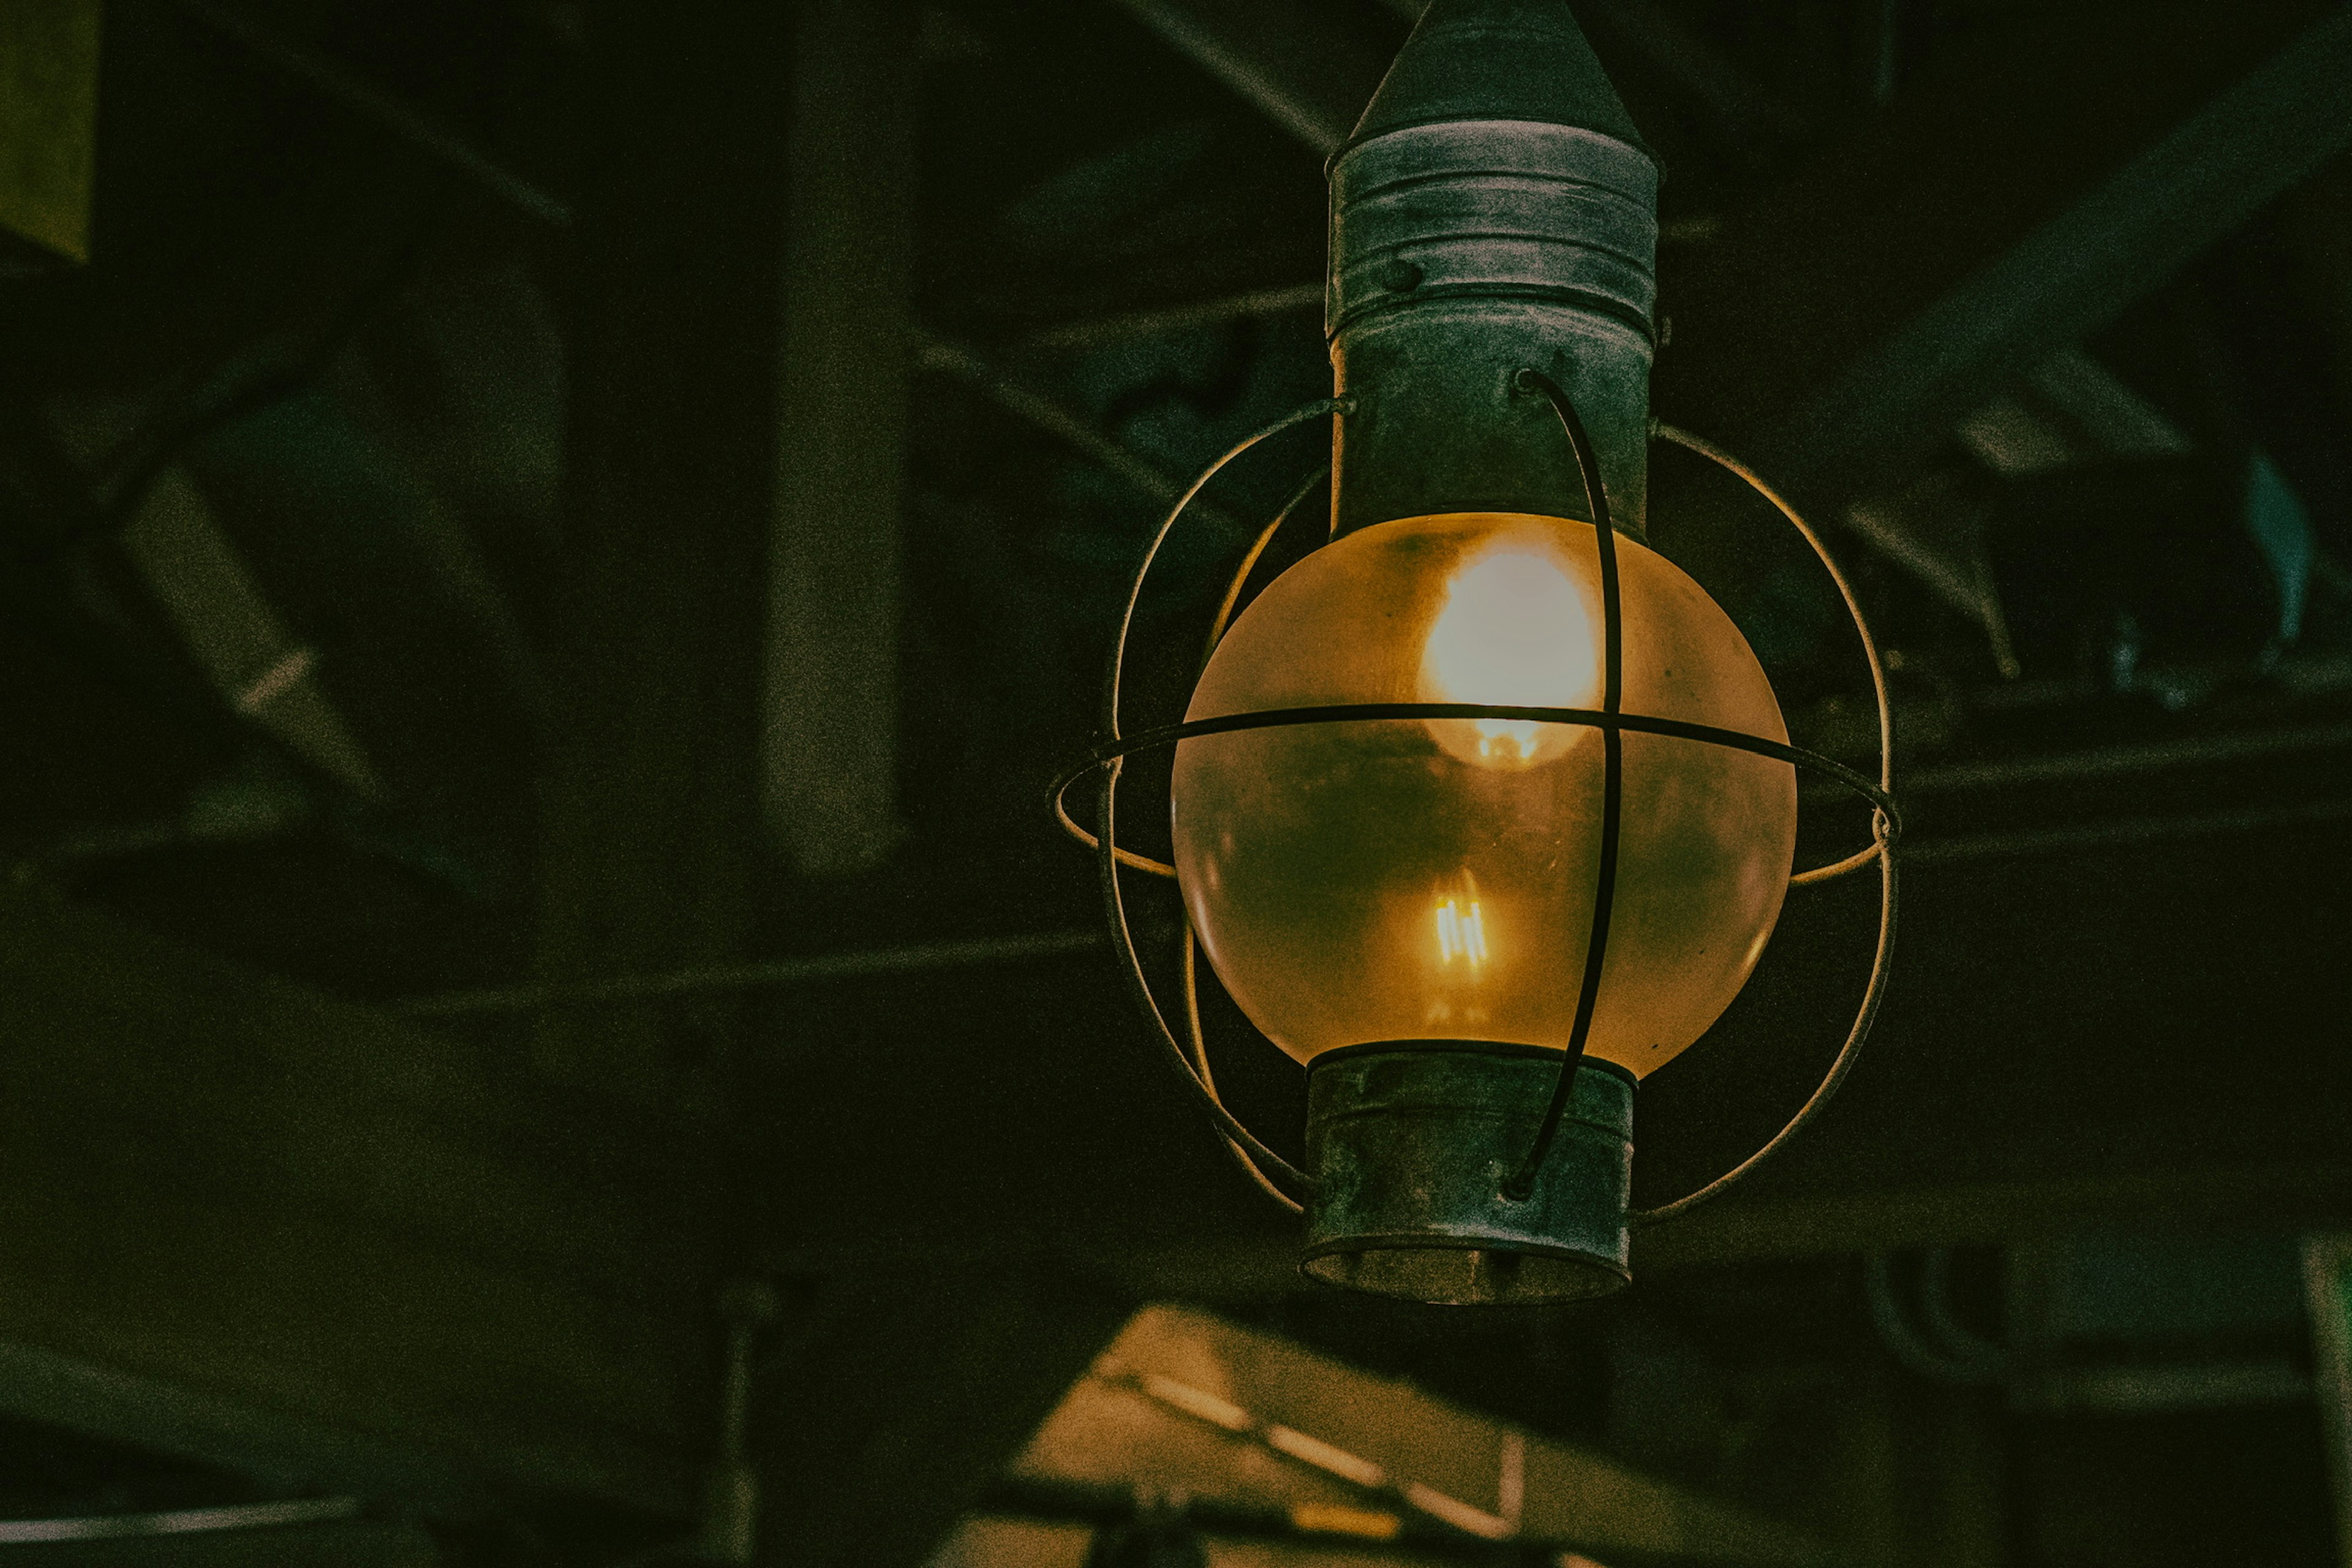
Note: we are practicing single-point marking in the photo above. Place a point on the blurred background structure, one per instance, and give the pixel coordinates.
(552, 547)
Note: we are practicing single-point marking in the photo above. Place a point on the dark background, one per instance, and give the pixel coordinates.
(521, 496)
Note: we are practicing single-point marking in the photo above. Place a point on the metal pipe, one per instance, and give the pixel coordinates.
(731, 1504)
(774, 973)
(2117, 762)
(939, 356)
(1108, 330)
(1885, 50)
(179, 1521)
(2126, 833)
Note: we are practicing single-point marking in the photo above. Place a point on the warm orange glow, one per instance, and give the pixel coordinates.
(1516, 631)
(1413, 880)
(1339, 1519)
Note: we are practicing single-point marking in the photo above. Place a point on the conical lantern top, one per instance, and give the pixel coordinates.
(1498, 59)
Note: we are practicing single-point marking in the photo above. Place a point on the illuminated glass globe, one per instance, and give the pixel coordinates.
(1433, 880)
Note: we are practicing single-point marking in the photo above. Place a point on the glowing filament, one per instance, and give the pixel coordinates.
(1461, 935)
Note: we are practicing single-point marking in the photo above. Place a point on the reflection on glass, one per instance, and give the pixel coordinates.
(1410, 879)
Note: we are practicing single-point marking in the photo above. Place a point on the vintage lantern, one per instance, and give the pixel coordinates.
(1483, 810)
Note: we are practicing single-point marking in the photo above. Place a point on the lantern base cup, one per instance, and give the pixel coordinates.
(1411, 1142)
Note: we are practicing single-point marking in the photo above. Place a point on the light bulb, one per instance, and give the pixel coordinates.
(1515, 629)
(1419, 879)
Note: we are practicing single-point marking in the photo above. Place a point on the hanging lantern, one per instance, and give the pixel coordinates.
(1483, 810)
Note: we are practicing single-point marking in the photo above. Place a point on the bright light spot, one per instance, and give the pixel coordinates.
(1461, 934)
(1515, 631)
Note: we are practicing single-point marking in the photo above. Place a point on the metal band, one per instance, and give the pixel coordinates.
(1590, 300)
(1109, 751)
(1494, 208)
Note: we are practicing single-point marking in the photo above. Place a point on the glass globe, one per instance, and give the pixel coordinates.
(1433, 880)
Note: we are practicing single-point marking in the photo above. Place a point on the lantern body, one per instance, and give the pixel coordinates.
(1434, 879)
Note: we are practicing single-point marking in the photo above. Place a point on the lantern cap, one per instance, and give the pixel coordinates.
(1498, 59)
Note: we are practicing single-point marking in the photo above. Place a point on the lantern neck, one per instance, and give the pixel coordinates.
(1494, 213)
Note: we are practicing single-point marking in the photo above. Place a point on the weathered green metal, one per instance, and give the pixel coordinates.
(1410, 1142)
(1493, 212)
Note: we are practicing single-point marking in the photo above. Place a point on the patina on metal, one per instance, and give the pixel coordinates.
(1410, 1143)
(1493, 211)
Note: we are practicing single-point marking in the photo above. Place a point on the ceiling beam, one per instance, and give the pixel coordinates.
(650, 843)
(340, 1544)
(252, 1224)
(1309, 65)
(1184, 1402)
(829, 725)
(958, 362)
(925, 1376)
(49, 123)
(2189, 190)
(2024, 192)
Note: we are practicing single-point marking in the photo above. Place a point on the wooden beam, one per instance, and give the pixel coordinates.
(1935, 1212)
(2023, 192)
(2028, 184)
(829, 746)
(48, 121)
(1309, 65)
(243, 1219)
(355, 1543)
(1185, 1402)
(927, 1374)
(178, 1419)
(2187, 191)
(649, 850)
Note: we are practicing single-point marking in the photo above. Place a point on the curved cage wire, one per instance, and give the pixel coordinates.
(1269, 1171)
